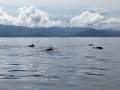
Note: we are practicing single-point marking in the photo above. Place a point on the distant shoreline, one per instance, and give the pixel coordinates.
(18, 31)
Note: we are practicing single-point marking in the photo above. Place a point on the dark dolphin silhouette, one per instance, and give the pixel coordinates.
(49, 49)
(98, 47)
(32, 45)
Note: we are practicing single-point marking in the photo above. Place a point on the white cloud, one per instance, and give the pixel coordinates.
(5, 18)
(87, 18)
(95, 18)
(113, 23)
(99, 9)
(112, 20)
(28, 16)
(33, 17)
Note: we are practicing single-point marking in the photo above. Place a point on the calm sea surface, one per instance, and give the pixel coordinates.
(73, 65)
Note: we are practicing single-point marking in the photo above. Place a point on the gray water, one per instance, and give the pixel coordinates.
(73, 65)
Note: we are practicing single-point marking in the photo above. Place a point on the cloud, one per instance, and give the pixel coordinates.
(87, 18)
(95, 18)
(33, 17)
(5, 18)
(99, 9)
(28, 16)
(112, 20)
(113, 23)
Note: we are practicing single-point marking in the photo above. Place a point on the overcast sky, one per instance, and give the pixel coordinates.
(62, 3)
(62, 6)
(60, 12)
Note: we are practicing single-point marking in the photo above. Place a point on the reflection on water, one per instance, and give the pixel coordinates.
(73, 64)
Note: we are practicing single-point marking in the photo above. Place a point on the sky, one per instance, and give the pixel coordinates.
(62, 5)
(78, 12)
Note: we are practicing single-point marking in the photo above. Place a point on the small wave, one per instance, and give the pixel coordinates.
(71, 67)
(36, 75)
(17, 70)
(2, 74)
(93, 74)
(89, 57)
(97, 68)
(14, 64)
(104, 60)
(44, 76)
(10, 77)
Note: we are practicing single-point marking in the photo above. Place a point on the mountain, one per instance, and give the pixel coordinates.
(19, 31)
(98, 33)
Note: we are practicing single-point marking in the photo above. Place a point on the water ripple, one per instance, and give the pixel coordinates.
(97, 68)
(93, 74)
(17, 70)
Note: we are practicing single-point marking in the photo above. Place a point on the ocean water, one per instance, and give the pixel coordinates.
(73, 65)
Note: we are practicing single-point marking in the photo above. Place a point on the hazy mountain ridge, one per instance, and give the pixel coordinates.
(19, 31)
